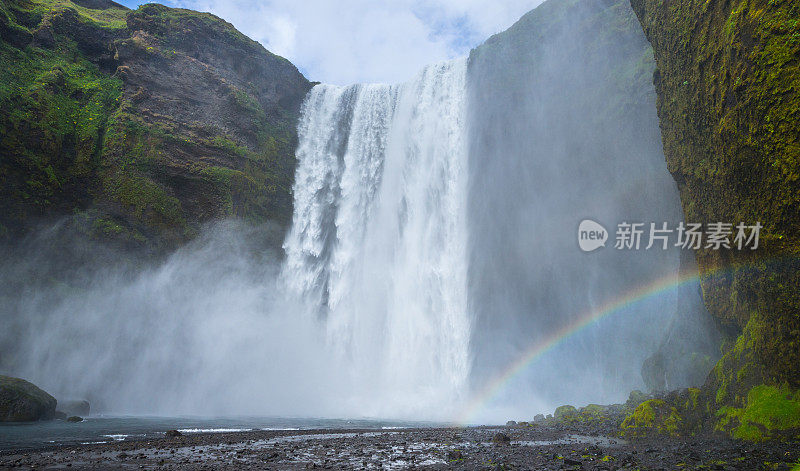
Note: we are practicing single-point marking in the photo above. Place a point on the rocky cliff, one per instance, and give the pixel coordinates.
(140, 125)
(728, 85)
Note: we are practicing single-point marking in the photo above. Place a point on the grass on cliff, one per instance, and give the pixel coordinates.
(182, 24)
(35, 10)
(53, 111)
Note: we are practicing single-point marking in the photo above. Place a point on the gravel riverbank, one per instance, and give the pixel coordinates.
(540, 447)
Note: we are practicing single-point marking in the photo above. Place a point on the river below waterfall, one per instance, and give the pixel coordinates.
(110, 429)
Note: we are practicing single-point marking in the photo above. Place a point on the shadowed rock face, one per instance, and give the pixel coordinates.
(141, 125)
(21, 401)
(728, 90)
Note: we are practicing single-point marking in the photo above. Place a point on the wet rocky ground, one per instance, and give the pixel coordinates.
(578, 446)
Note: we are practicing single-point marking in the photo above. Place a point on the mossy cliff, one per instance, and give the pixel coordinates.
(140, 125)
(728, 86)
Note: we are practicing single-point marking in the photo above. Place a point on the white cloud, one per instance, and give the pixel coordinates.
(351, 41)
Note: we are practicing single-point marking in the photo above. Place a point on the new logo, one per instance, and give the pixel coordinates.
(591, 235)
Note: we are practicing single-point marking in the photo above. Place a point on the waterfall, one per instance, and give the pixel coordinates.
(435, 222)
(378, 242)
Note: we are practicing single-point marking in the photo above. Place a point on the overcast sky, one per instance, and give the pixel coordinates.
(348, 41)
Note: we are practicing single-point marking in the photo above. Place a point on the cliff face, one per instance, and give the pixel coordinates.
(728, 85)
(141, 125)
(562, 127)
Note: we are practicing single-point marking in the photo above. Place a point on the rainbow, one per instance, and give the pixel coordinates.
(537, 350)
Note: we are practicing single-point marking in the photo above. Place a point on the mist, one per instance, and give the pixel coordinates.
(433, 245)
(207, 331)
(562, 128)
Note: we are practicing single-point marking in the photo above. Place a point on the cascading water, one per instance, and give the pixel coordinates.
(379, 233)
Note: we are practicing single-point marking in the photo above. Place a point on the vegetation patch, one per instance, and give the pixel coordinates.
(770, 412)
(652, 417)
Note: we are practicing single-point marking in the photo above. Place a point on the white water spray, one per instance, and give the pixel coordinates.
(379, 236)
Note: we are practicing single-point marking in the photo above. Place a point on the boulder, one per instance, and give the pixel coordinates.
(21, 401)
(501, 439)
(565, 412)
(173, 433)
(74, 407)
(74, 419)
(651, 418)
(455, 455)
(593, 411)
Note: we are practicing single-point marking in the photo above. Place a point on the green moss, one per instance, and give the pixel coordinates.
(565, 413)
(774, 408)
(643, 416)
(226, 144)
(220, 175)
(722, 391)
(733, 19)
(54, 108)
(652, 417)
(21, 401)
(112, 18)
(693, 401)
(175, 24)
(144, 196)
(593, 410)
(108, 226)
(769, 412)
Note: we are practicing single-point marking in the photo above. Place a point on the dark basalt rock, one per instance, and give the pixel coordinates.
(75, 419)
(21, 401)
(173, 433)
(501, 438)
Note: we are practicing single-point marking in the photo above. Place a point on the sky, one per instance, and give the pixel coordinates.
(352, 41)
